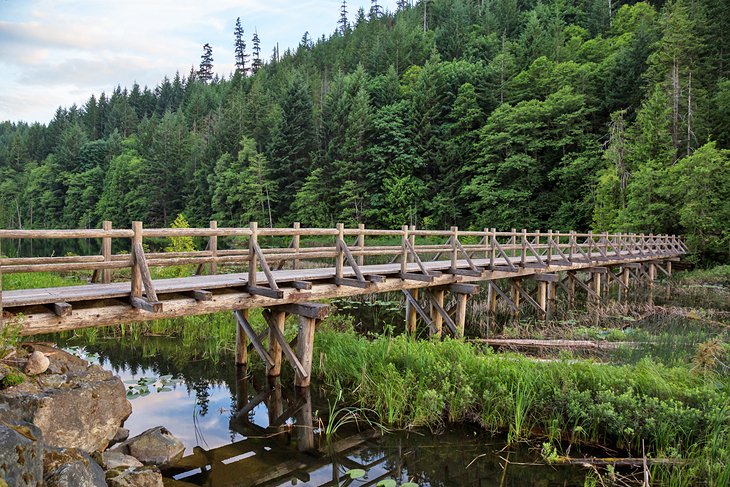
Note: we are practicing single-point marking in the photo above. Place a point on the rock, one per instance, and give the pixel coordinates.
(37, 363)
(71, 467)
(135, 477)
(112, 459)
(121, 435)
(75, 405)
(21, 454)
(156, 446)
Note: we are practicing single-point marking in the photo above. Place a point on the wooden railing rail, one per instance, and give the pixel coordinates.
(516, 247)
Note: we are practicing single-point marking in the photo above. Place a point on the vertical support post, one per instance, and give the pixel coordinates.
(590, 246)
(411, 313)
(487, 243)
(461, 300)
(412, 239)
(537, 241)
(524, 247)
(213, 247)
(136, 270)
(305, 430)
(278, 319)
(361, 243)
(436, 318)
(296, 244)
(340, 259)
(669, 268)
(252, 259)
(493, 248)
(652, 273)
(491, 305)
(549, 247)
(241, 387)
(542, 299)
(596, 281)
(625, 276)
(515, 295)
(552, 292)
(572, 245)
(106, 252)
(275, 402)
(605, 243)
(513, 241)
(454, 248)
(571, 290)
(404, 250)
(241, 341)
(305, 348)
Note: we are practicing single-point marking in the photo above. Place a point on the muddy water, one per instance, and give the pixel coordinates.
(240, 429)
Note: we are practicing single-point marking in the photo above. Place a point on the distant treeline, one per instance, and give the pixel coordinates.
(531, 114)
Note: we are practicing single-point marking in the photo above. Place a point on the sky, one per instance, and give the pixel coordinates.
(58, 52)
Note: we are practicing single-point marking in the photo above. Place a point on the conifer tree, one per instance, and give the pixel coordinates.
(240, 48)
(205, 73)
(256, 63)
(376, 10)
(343, 17)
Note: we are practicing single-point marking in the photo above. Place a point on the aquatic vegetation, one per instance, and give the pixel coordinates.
(144, 385)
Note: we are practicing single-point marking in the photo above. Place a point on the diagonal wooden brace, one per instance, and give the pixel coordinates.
(246, 326)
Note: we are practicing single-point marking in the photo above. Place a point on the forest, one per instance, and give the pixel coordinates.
(553, 114)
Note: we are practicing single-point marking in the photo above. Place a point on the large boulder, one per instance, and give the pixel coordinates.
(156, 446)
(75, 405)
(112, 459)
(71, 467)
(135, 477)
(21, 454)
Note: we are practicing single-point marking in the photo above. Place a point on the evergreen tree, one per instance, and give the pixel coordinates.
(240, 48)
(343, 18)
(205, 72)
(256, 63)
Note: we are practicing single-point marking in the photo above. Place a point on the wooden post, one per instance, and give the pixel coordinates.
(278, 319)
(213, 247)
(438, 320)
(487, 243)
(669, 269)
(411, 313)
(252, 259)
(305, 427)
(625, 276)
(361, 243)
(524, 247)
(305, 348)
(515, 295)
(136, 270)
(404, 251)
(542, 299)
(513, 242)
(106, 251)
(340, 259)
(552, 292)
(550, 247)
(461, 300)
(537, 241)
(296, 244)
(241, 342)
(493, 249)
(652, 273)
(275, 402)
(241, 387)
(454, 248)
(571, 290)
(572, 245)
(590, 246)
(596, 281)
(491, 305)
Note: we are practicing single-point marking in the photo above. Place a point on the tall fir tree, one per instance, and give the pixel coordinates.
(240, 49)
(343, 18)
(205, 73)
(256, 62)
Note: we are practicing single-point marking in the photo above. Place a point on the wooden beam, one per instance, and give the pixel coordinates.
(62, 309)
(301, 285)
(241, 348)
(202, 295)
(305, 349)
(265, 291)
(143, 304)
(276, 321)
(316, 311)
(412, 276)
(597, 270)
(411, 249)
(344, 281)
(528, 298)
(246, 326)
(546, 277)
(464, 272)
(461, 301)
(264, 266)
(342, 246)
(417, 307)
(375, 278)
(504, 296)
(461, 288)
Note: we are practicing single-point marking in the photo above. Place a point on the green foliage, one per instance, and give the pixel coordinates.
(12, 379)
(180, 244)
(478, 114)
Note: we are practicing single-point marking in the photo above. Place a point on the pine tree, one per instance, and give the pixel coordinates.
(376, 10)
(256, 64)
(240, 48)
(402, 4)
(205, 73)
(343, 17)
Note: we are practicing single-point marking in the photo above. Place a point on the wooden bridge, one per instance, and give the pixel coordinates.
(286, 270)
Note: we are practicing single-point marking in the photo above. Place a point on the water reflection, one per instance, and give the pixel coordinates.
(242, 429)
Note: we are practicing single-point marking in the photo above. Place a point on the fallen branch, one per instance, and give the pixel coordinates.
(562, 344)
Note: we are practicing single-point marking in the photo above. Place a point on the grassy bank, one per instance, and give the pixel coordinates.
(679, 413)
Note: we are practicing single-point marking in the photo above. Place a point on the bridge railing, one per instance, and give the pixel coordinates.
(269, 249)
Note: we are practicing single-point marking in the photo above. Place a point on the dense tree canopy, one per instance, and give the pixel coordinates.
(552, 114)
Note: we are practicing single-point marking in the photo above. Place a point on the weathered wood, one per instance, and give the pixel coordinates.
(461, 301)
(143, 304)
(415, 305)
(513, 306)
(252, 256)
(375, 278)
(202, 295)
(62, 309)
(141, 265)
(265, 291)
(136, 271)
(243, 323)
(276, 320)
(277, 331)
(412, 276)
(462, 288)
(305, 348)
(241, 348)
(345, 281)
(439, 314)
(265, 267)
(213, 246)
(106, 252)
(546, 277)
(301, 285)
(411, 312)
(465, 272)
(316, 311)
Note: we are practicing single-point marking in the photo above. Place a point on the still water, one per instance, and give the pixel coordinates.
(241, 429)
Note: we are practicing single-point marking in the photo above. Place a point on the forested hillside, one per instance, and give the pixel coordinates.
(562, 114)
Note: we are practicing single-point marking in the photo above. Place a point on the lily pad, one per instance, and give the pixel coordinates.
(386, 483)
(355, 473)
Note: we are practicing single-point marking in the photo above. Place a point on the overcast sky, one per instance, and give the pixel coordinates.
(57, 52)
